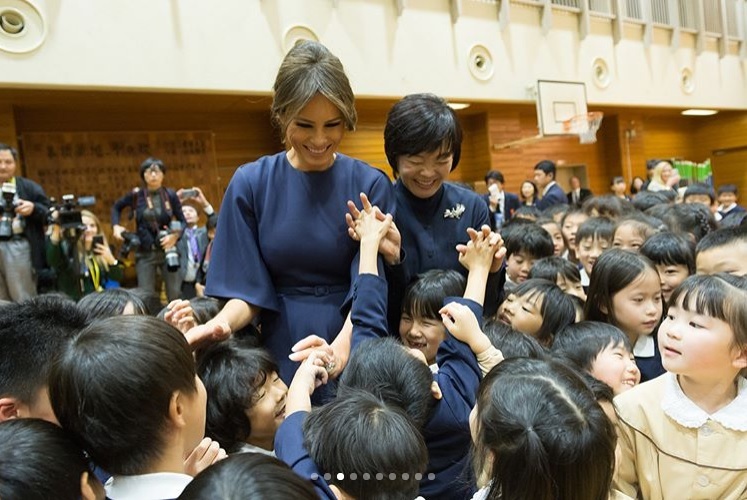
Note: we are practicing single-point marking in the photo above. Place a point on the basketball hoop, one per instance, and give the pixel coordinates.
(585, 126)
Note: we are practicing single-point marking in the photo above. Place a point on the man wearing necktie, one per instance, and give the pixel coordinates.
(194, 240)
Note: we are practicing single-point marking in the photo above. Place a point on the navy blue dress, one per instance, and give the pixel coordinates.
(282, 244)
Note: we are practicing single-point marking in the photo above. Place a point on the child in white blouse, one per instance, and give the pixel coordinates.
(682, 435)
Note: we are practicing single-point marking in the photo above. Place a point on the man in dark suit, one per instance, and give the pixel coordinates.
(22, 252)
(544, 177)
(194, 240)
(501, 204)
(577, 194)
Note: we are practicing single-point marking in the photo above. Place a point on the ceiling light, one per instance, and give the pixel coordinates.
(458, 105)
(699, 112)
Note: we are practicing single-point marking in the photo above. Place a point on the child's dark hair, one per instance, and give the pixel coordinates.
(700, 188)
(721, 238)
(531, 239)
(645, 225)
(112, 385)
(670, 249)
(38, 460)
(721, 296)
(204, 309)
(644, 200)
(614, 270)
(554, 210)
(384, 368)
(370, 437)
(595, 228)
(425, 296)
(32, 333)
(421, 123)
(150, 299)
(248, 475)
(728, 188)
(557, 309)
(606, 205)
(526, 212)
(582, 342)
(541, 434)
(690, 219)
(233, 375)
(549, 268)
(511, 343)
(110, 302)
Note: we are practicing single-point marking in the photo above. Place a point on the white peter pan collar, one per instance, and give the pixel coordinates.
(681, 409)
(644, 347)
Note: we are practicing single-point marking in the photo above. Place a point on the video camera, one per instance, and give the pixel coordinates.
(69, 215)
(7, 210)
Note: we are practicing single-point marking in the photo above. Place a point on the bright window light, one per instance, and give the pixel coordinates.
(699, 112)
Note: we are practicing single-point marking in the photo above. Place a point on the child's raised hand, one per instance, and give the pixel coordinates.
(179, 315)
(390, 241)
(203, 456)
(211, 332)
(461, 322)
(311, 374)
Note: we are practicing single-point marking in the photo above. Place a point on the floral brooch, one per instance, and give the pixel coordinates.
(454, 213)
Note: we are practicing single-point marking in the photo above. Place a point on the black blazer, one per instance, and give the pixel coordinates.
(182, 246)
(582, 195)
(29, 190)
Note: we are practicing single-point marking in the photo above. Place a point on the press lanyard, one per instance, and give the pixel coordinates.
(95, 271)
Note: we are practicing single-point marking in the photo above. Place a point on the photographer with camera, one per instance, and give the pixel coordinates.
(159, 221)
(23, 212)
(80, 253)
(194, 240)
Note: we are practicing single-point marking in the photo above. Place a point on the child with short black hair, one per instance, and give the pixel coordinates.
(524, 245)
(358, 437)
(32, 333)
(727, 202)
(248, 475)
(572, 219)
(112, 302)
(602, 350)
(561, 272)
(723, 251)
(593, 238)
(633, 230)
(692, 220)
(674, 258)
(127, 390)
(607, 205)
(245, 396)
(420, 326)
(553, 229)
(702, 193)
(627, 294)
(512, 343)
(682, 435)
(38, 461)
(538, 308)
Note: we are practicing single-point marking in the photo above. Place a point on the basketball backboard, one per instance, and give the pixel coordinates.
(558, 102)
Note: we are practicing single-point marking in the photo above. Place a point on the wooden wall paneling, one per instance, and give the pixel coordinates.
(475, 158)
(8, 125)
(367, 144)
(106, 164)
(670, 137)
(723, 139)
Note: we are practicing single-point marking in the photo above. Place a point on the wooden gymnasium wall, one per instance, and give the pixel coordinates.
(236, 139)
(723, 139)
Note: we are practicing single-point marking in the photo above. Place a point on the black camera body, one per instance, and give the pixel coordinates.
(69, 215)
(131, 241)
(7, 210)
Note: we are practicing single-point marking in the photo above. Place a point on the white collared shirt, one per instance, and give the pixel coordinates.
(682, 410)
(156, 486)
(250, 448)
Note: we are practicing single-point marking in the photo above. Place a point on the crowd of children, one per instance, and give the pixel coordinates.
(590, 352)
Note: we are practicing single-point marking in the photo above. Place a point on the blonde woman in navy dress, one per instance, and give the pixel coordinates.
(282, 256)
